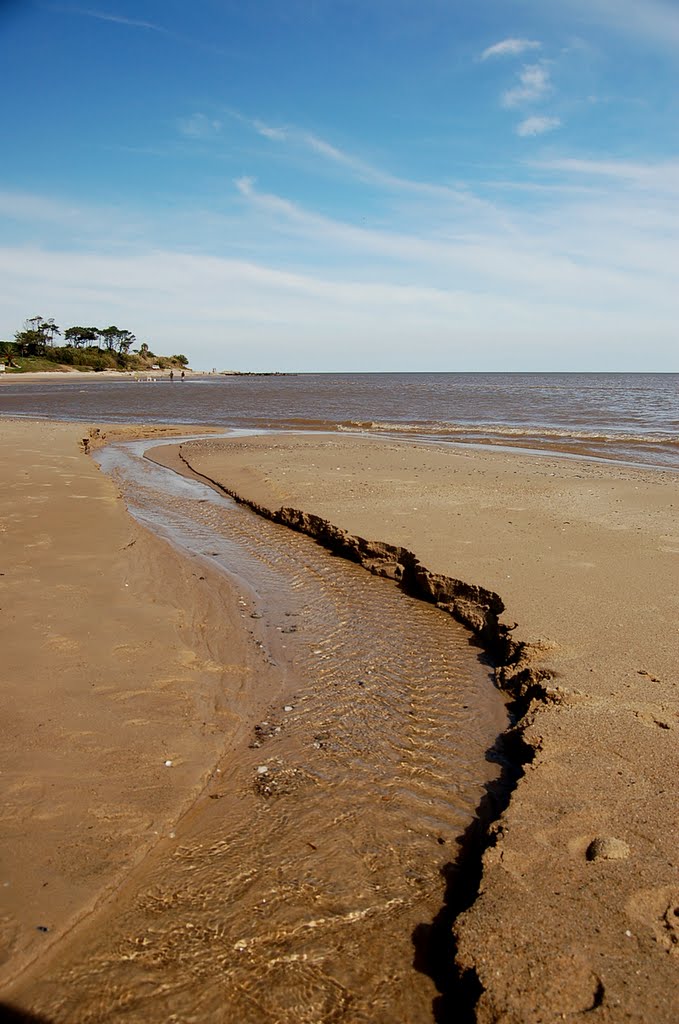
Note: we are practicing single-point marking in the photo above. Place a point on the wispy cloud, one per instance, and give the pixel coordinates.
(366, 172)
(275, 134)
(598, 247)
(199, 126)
(661, 177)
(137, 23)
(534, 85)
(537, 126)
(116, 19)
(510, 48)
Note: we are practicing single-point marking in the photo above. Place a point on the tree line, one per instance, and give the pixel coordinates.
(39, 335)
(98, 348)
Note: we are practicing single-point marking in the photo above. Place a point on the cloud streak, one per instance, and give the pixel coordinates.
(116, 19)
(510, 48)
(661, 177)
(149, 26)
(562, 253)
(460, 198)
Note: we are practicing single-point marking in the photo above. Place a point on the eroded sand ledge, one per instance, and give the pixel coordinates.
(585, 557)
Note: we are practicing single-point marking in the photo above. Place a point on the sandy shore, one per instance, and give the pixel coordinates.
(59, 376)
(119, 668)
(116, 652)
(578, 910)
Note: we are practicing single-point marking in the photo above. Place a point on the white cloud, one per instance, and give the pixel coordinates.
(332, 153)
(199, 126)
(343, 238)
(244, 315)
(534, 85)
(276, 134)
(537, 126)
(662, 177)
(510, 48)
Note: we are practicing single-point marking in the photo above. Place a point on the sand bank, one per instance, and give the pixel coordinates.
(578, 907)
(120, 663)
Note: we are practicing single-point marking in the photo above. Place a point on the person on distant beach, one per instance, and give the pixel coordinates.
(183, 375)
(171, 374)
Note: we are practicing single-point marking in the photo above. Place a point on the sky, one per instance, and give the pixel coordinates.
(340, 185)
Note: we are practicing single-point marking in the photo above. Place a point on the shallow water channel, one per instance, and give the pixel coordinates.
(299, 887)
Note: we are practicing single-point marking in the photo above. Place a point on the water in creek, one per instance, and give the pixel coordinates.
(298, 887)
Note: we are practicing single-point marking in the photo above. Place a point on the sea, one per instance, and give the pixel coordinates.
(623, 417)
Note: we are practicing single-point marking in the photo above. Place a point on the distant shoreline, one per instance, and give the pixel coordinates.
(142, 375)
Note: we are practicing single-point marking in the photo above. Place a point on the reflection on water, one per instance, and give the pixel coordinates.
(292, 891)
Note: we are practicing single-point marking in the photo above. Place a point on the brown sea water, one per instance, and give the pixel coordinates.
(307, 882)
(630, 417)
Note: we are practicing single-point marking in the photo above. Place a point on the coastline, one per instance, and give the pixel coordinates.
(584, 558)
(70, 374)
(59, 376)
(575, 551)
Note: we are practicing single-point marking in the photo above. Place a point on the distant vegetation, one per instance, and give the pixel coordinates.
(37, 347)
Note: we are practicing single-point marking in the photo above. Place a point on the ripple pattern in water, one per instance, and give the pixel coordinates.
(292, 890)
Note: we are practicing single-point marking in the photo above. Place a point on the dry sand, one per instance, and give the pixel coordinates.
(578, 911)
(111, 650)
(71, 374)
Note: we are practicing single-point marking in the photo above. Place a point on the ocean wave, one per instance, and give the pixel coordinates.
(481, 430)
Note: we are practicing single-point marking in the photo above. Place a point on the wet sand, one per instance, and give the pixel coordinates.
(578, 910)
(117, 674)
(584, 558)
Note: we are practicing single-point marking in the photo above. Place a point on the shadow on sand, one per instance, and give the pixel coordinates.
(13, 1015)
(434, 942)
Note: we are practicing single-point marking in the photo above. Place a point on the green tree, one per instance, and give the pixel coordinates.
(115, 338)
(50, 330)
(47, 328)
(8, 351)
(109, 335)
(37, 334)
(81, 336)
(124, 341)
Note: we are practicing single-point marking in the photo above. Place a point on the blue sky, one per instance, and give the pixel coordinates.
(347, 184)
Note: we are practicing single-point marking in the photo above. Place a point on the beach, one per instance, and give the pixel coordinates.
(577, 905)
(584, 557)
